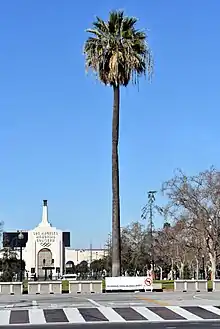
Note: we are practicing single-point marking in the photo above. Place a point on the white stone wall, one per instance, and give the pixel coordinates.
(79, 255)
(74, 255)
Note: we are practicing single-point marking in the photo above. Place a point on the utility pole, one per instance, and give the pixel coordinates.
(90, 259)
(90, 252)
(151, 200)
(148, 210)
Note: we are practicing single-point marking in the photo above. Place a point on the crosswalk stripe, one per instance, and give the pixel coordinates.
(211, 309)
(36, 316)
(92, 314)
(19, 317)
(201, 312)
(166, 313)
(110, 314)
(4, 317)
(55, 316)
(129, 314)
(147, 314)
(73, 315)
(187, 315)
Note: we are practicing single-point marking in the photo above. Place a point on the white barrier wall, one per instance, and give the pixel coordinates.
(85, 287)
(11, 288)
(180, 285)
(55, 287)
(45, 287)
(216, 285)
(190, 285)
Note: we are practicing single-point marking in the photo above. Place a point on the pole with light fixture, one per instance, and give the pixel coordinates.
(147, 213)
(20, 238)
(151, 199)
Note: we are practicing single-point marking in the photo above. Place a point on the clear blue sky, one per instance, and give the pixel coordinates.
(55, 122)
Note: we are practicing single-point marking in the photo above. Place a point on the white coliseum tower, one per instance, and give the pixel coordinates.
(43, 253)
(46, 250)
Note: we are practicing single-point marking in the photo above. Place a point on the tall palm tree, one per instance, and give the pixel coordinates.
(117, 53)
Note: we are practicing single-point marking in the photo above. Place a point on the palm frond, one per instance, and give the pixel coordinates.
(117, 52)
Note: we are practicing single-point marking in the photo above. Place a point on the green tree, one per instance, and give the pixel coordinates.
(83, 269)
(118, 53)
(97, 265)
(10, 265)
(70, 268)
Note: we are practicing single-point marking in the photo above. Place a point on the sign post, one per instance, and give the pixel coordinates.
(149, 281)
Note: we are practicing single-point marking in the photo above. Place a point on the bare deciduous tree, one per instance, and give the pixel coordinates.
(197, 198)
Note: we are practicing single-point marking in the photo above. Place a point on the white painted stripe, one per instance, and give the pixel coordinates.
(78, 305)
(36, 316)
(94, 302)
(4, 317)
(111, 314)
(211, 309)
(10, 305)
(73, 315)
(184, 313)
(147, 314)
(125, 303)
(119, 304)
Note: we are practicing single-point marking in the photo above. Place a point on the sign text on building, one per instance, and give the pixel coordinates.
(45, 238)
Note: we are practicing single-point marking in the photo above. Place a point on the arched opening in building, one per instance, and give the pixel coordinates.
(70, 267)
(44, 262)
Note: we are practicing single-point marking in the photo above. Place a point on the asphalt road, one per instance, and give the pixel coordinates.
(167, 325)
(84, 309)
(110, 300)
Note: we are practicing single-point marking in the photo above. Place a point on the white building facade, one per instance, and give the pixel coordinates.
(47, 251)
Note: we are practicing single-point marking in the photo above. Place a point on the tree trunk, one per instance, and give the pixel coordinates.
(172, 269)
(180, 267)
(116, 233)
(213, 264)
(197, 269)
(182, 270)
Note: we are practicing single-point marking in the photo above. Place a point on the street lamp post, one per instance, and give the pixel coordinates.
(20, 238)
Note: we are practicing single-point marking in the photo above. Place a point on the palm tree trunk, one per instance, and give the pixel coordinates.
(116, 233)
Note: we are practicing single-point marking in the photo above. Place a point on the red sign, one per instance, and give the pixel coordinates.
(148, 281)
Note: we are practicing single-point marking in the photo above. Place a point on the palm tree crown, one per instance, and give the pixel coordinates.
(117, 52)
